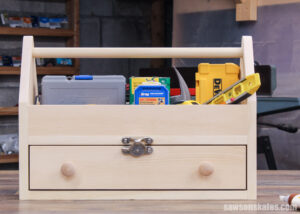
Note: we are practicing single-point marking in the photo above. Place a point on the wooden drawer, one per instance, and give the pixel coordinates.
(100, 167)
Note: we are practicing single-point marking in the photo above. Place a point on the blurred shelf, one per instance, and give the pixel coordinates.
(56, 70)
(8, 111)
(13, 158)
(36, 32)
(71, 37)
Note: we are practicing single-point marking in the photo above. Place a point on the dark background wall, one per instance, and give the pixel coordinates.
(275, 34)
(276, 37)
(12, 45)
(103, 23)
(114, 23)
(124, 23)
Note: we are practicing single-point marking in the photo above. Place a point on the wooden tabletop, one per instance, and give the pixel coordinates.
(271, 184)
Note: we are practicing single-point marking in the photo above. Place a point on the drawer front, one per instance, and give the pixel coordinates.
(95, 167)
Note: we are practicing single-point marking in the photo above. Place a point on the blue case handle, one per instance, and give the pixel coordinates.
(84, 77)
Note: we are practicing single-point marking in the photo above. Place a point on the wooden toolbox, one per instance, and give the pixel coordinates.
(94, 151)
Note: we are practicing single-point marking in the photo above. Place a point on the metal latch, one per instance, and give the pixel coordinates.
(137, 147)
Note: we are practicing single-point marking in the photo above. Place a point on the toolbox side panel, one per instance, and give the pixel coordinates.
(135, 120)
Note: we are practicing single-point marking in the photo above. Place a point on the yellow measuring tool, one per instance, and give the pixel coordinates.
(237, 92)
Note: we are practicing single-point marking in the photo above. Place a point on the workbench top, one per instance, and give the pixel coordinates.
(271, 184)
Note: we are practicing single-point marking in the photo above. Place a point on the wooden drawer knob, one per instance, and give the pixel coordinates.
(67, 169)
(206, 168)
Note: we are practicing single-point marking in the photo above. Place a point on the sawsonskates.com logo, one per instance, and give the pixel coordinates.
(259, 207)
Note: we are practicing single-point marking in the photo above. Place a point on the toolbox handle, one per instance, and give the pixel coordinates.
(138, 52)
(28, 79)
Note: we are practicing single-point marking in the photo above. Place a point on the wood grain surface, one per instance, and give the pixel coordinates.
(168, 167)
(271, 184)
(65, 121)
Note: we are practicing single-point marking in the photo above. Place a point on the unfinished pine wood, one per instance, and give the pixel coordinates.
(67, 169)
(158, 139)
(170, 126)
(106, 167)
(26, 98)
(129, 120)
(248, 69)
(246, 10)
(206, 168)
(137, 52)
